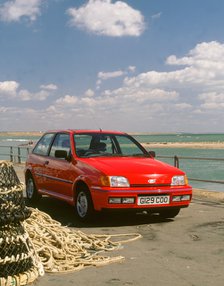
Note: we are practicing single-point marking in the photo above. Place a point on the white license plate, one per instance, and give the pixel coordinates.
(153, 200)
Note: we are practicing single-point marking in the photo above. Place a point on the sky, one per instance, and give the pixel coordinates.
(133, 66)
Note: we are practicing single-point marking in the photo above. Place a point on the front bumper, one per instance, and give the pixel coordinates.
(129, 198)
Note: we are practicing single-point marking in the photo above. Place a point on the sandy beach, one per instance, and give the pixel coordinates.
(21, 133)
(193, 145)
(188, 250)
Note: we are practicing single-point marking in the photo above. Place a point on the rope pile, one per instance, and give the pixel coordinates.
(31, 242)
(62, 249)
(18, 262)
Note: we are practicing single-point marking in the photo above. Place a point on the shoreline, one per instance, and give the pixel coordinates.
(20, 133)
(190, 145)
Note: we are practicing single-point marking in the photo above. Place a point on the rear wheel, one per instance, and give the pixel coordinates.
(169, 213)
(83, 205)
(31, 191)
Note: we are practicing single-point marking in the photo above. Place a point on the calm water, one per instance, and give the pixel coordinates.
(185, 137)
(17, 140)
(198, 169)
(22, 141)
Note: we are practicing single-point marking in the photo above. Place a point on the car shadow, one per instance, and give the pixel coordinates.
(64, 213)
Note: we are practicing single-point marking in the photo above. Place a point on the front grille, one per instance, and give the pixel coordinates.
(149, 185)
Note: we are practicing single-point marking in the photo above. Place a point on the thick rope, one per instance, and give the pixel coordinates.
(62, 249)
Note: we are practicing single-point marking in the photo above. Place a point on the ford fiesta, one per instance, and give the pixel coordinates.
(104, 170)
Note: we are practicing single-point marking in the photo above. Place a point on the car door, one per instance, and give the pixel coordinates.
(59, 171)
(38, 159)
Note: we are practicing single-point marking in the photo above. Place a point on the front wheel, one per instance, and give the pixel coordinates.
(169, 213)
(83, 205)
(31, 191)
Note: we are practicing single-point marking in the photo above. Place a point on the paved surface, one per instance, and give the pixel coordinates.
(188, 250)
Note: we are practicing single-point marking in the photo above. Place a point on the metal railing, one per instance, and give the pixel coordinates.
(15, 154)
(176, 162)
(18, 154)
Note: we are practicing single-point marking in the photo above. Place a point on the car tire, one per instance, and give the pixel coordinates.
(83, 205)
(169, 213)
(31, 191)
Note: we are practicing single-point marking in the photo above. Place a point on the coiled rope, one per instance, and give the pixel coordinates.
(62, 249)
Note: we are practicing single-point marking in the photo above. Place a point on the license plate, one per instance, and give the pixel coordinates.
(153, 200)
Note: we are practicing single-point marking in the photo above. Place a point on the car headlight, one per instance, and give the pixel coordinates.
(179, 180)
(114, 181)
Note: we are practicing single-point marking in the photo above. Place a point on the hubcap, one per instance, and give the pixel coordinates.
(30, 188)
(82, 204)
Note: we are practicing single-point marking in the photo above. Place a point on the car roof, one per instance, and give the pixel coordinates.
(83, 131)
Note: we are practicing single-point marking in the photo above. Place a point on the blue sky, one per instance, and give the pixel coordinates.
(135, 66)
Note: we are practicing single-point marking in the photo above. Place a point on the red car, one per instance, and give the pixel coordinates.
(96, 170)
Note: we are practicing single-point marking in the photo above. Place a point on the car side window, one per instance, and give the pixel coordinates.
(43, 144)
(82, 143)
(61, 142)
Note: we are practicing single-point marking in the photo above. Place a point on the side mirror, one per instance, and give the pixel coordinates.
(62, 154)
(152, 154)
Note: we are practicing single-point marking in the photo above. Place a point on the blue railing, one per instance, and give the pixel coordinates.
(18, 154)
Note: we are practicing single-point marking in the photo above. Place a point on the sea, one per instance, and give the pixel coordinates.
(199, 169)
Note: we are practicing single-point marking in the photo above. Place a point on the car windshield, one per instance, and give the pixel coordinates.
(100, 144)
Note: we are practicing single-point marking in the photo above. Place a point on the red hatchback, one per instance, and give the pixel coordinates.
(104, 170)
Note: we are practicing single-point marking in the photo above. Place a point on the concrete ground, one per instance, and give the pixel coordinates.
(185, 251)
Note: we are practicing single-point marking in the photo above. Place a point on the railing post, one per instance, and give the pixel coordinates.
(19, 155)
(176, 161)
(11, 154)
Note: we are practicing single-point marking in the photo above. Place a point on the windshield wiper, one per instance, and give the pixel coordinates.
(140, 155)
(96, 154)
(89, 155)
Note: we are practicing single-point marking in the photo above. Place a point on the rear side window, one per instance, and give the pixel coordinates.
(43, 144)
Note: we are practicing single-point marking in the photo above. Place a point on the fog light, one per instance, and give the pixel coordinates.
(128, 200)
(176, 198)
(185, 198)
(114, 200)
(181, 198)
